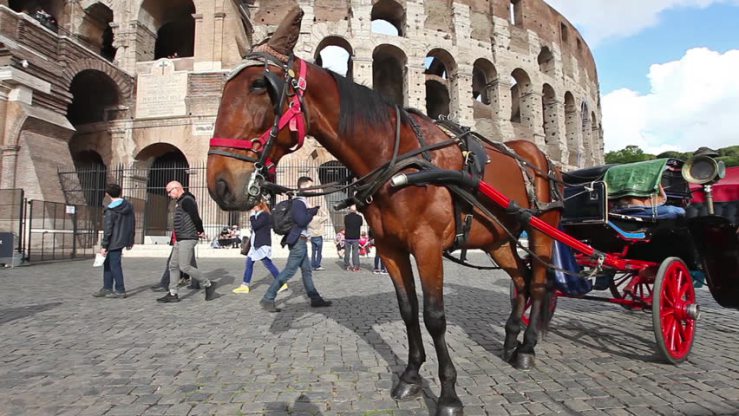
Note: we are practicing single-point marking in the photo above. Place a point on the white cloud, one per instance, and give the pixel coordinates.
(603, 19)
(692, 102)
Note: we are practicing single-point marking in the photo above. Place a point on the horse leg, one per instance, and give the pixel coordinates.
(542, 247)
(431, 273)
(401, 273)
(507, 258)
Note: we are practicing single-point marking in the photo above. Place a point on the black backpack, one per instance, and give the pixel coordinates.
(282, 218)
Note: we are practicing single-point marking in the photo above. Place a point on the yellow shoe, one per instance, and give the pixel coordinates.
(242, 289)
(283, 288)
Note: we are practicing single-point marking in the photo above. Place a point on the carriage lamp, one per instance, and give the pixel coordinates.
(704, 170)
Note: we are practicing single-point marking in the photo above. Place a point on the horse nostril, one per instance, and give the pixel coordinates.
(222, 189)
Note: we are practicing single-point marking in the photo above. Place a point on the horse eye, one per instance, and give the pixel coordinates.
(259, 84)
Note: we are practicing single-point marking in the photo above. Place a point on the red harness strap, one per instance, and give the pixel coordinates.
(294, 118)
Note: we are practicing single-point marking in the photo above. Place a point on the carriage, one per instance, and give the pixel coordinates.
(656, 261)
(427, 187)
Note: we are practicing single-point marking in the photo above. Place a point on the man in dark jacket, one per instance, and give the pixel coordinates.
(119, 225)
(297, 242)
(352, 225)
(189, 228)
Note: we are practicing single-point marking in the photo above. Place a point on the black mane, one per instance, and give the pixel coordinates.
(361, 107)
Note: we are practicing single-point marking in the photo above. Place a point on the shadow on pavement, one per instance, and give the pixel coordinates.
(11, 314)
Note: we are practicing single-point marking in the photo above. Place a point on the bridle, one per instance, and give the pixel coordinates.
(290, 88)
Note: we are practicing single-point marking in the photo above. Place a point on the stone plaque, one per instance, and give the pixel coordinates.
(162, 92)
(203, 129)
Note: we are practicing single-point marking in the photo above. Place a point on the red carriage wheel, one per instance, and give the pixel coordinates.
(551, 293)
(674, 311)
(639, 290)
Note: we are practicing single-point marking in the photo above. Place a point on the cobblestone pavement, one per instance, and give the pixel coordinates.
(68, 353)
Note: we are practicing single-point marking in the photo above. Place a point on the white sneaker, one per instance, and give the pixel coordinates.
(282, 288)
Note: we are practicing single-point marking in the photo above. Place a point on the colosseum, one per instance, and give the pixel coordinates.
(127, 87)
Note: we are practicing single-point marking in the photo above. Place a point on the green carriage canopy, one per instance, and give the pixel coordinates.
(640, 179)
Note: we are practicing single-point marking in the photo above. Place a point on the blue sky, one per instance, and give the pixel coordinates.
(668, 70)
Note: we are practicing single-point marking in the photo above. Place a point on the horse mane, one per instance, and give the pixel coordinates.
(361, 106)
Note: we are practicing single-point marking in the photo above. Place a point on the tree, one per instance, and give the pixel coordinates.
(629, 154)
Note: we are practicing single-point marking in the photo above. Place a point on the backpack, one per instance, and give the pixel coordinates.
(282, 218)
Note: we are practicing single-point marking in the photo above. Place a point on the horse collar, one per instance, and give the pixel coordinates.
(294, 118)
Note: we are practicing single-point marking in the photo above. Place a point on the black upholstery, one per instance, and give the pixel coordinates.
(580, 176)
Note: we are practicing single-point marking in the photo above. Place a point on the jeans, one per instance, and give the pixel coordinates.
(351, 248)
(316, 244)
(113, 272)
(297, 259)
(182, 255)
(378, 264)
(250, 268)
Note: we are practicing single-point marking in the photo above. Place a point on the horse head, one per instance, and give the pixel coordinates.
(260, 119)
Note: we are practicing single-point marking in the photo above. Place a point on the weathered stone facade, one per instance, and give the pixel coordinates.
(128, 81)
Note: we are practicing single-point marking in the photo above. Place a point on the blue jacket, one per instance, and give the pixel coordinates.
(261, 226)
(302, 216)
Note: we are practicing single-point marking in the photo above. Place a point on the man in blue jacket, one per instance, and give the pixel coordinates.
(297, 242)
(119, 227)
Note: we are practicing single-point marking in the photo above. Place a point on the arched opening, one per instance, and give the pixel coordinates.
(522, 100)
(93, 93)
(440, 83)
(546, 61)
(335, 54)
(484, 89)
(167, 163)
(47, 12)
(388, 17)
(551, 126)
(335, 171)
(572, 130)
(172, 29)
(92, 174)
(95, 30)
(389, 73)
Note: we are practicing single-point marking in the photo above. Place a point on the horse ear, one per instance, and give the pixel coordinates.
(286, 36)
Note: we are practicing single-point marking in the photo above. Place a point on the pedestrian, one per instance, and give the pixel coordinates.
(297, 242)
(352, 227)
(119, 229)
(261, 246)
(163, 284)
(189, 228)
(315, 229)
(339, 240)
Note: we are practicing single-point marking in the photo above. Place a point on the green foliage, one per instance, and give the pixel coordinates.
(729, 161)
(674, 155)
(629, 154)
(729, 151)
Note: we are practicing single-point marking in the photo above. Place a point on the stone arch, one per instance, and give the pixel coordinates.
(522, 102)
(572, 130)
(333, 52)
(96, 30)
(168, 29)
(389, 73)
(546, 61)
(93, 93)
(484, 75)
(550, 112)
(441, 83)
(92, 174)
(391, 12)
(123, 82)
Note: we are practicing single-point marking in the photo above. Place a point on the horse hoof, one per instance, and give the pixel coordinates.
(405, 390)
(509, 354)
(450, 409)
(525, 361)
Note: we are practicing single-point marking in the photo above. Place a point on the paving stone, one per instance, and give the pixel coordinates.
(70, 353)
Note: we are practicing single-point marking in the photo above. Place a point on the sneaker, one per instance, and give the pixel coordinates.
(319, 268)
(210, 291)
(357, 269)
(102, 293)
(349, 268)
(116, 295)
(182, 282)
(320, 303)
(282, 288)
(242, 289)
(269, 306)
(384, 272)
(376, 271)
(169, 298)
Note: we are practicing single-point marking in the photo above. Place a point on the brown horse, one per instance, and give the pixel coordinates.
(256, 127)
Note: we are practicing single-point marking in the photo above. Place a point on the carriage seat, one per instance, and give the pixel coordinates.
(581, 176)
